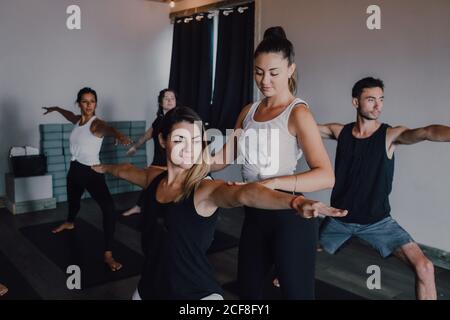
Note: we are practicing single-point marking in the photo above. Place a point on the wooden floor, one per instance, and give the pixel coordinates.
(346, 269)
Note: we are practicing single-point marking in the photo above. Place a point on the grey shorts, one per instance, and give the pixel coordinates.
(385, 236)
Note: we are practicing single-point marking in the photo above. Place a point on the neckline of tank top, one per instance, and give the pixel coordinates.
(78, 124)
(160, 181)
(371, 136)
(278, 116)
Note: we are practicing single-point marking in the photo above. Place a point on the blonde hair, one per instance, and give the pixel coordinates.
(195, 174)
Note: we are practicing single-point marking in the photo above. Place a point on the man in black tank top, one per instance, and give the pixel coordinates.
(364, 169)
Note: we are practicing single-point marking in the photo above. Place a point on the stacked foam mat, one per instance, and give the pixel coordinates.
(55, 145)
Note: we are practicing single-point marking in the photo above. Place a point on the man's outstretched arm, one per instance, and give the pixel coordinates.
(435, 132)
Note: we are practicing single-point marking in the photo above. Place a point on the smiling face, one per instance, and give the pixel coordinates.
(184, 145)
(87, 104)
(272, 73)
(370, 103)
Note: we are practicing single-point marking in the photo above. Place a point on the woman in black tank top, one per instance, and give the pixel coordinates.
(167, 100)
(176, 265)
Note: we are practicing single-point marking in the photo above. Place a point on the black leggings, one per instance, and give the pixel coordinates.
(82, 177)
(141, 199)
(280, 239)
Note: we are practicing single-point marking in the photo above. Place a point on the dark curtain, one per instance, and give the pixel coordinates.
(233, 86)
(191, 66)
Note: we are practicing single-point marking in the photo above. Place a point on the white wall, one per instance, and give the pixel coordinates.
(412, 54)
(123, 51)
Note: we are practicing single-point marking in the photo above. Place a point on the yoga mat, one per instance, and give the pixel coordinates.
(84, 247)
(19, 288)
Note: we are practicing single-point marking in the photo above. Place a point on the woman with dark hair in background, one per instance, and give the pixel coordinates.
(85, 144)
(277, 239)
(167, 100)
(176, 265)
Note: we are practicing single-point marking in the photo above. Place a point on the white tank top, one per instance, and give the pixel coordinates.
(84, 145)
(267, 148)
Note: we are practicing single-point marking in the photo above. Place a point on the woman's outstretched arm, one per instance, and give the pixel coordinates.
(126, 171)
(102, 129)
(69, 115)
(145, 137)
(220, 194)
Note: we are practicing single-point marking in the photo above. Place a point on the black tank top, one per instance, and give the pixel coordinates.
(176, 266)
(159, 157)
(364, 175)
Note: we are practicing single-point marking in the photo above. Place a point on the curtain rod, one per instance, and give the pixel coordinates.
(208, 7)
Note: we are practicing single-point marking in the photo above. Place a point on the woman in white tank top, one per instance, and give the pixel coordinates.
(277, 131)
(85, 144)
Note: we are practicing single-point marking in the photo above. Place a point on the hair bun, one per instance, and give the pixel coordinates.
(275, 32)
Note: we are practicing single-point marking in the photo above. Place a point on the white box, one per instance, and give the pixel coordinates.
(28, 188)
(30, 206)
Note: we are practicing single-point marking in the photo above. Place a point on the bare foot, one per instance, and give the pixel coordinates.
(64, 226)
(276, 283)
(112, 264)
(3, 290)
(134, 210)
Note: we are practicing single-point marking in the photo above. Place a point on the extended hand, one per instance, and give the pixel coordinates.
(124, 140)
(312, 209)
(98, 168)
(48, 109)
(131, 151)
(235, 183)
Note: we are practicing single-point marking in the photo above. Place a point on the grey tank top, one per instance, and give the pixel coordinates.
(267, 148)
